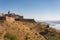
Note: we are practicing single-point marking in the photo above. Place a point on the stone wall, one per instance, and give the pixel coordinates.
(1, 14)
(28, 20)
(10, 19)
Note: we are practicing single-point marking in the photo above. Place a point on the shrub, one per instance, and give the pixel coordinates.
(46, 30)
(52, 34)
(38, 24)
(55, 38)
(27, 38)
(42, 33)
(10, 36)
(36, 34)
(30, 28)
(47, 26)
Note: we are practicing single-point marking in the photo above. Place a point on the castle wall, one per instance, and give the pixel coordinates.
(28, 20)
(2, 18)
(10, 19)
(1, 14)
(18, 17)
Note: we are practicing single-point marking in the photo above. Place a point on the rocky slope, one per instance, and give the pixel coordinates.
(19, 30)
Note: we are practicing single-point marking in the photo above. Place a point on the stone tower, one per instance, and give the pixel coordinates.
(8, 12)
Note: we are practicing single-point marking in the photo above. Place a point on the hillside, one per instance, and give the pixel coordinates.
(16, 27)
(20, 30)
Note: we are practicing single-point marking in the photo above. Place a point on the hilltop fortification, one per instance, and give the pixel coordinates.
(10, 17)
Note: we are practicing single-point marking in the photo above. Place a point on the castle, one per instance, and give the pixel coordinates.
(10, 17)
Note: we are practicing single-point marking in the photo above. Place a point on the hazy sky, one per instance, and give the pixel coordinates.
(37, 9)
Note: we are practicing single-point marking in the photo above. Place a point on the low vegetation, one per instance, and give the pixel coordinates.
(17, 30)
(55, 38)
(9, 36)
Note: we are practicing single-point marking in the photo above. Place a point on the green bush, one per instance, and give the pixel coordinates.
(55, 38)
(10, 36)
(47, 30)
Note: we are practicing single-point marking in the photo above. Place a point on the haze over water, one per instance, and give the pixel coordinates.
(53, 24)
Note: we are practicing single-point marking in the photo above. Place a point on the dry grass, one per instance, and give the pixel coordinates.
(27, 30)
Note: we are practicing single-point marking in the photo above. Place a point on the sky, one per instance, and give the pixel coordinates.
(35, 9)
